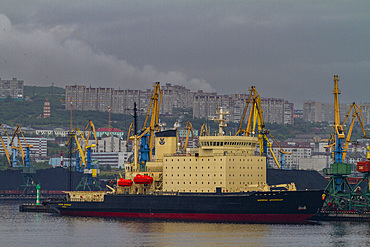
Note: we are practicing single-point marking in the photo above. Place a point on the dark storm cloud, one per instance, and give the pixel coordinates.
(287, 49)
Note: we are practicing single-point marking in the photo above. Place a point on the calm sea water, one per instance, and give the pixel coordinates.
(40, 229)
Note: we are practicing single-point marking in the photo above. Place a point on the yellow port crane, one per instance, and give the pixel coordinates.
(26, 184)
(187, 131)
(256, 123)
(204, 130)
(146, 136)
(254, 100)
(73, 136)
(88, 131)
(18, 133)
(335, 143)
(153, 112)
(357, 114)
(4, 145)
(130, 133)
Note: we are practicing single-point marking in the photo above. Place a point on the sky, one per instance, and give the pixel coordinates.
(286, 49)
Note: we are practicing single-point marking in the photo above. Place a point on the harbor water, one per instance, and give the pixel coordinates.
(45, 229)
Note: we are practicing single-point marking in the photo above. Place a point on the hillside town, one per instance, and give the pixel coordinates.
(308, 152)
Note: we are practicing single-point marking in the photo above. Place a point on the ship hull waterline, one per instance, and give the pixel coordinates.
(248, 207)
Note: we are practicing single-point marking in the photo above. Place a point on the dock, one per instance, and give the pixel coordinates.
(341, 216)
(36, 208)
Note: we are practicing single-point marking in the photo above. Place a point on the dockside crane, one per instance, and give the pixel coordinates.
(341, 193)
(188, 130)
(357, 113)
(26, 184)
(204, 130)
(256, 125)
(146, 136)
(6, 151)
(83, 149)
(130, 133)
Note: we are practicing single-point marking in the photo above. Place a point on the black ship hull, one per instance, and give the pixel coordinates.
(247, 207)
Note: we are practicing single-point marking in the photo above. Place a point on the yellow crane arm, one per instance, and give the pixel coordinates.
(349, 133)
(6, 151)
(269, 145)
(19, 147)
(141, 135)
(83, 158)
(189, 129)
(130, 132)
(90, 128)
(204, 130)
(79, 148)
(4, 146)
(240, 130)
(153, 110)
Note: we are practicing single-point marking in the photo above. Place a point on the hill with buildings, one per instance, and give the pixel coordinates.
(45, 113)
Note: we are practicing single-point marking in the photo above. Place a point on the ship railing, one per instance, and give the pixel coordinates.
(86, 199)
(226, 153)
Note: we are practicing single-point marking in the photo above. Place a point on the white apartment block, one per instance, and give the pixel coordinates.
(113, 159)
(38, 150)
(52, 132)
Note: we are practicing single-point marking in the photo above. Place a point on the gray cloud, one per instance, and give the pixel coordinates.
(286, 49)
(43, 56)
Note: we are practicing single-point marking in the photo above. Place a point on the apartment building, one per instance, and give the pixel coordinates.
(11, 88)
(365, 108)
(322, 112)
(38, 150)
(174, 96)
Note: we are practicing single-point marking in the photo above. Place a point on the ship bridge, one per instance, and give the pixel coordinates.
(227, 145)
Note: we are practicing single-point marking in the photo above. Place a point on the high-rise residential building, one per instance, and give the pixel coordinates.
(322, 112)
(365, 108)
(11, 88)
(169, 99)
(206, 104)
(174, 96)
(90, 99)
(288, 113)
(46, 109)
(75, 96)
(273, 110)
(312, 111)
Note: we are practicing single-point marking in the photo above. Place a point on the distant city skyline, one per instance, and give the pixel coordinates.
(288, 50)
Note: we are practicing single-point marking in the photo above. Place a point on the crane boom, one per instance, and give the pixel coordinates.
(357, 114)
(188, 130)
(5, 147)
(153, 112)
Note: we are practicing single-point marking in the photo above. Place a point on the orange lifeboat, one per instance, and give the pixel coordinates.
(124, 182)
(143, 179)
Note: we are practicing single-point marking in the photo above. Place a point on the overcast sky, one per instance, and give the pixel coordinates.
(287, 49)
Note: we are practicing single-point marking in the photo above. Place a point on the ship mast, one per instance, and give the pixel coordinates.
(221, 120)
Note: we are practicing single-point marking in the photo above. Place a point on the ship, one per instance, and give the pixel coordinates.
(223, 179)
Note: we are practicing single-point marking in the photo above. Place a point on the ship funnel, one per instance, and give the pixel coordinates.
(165, 144)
